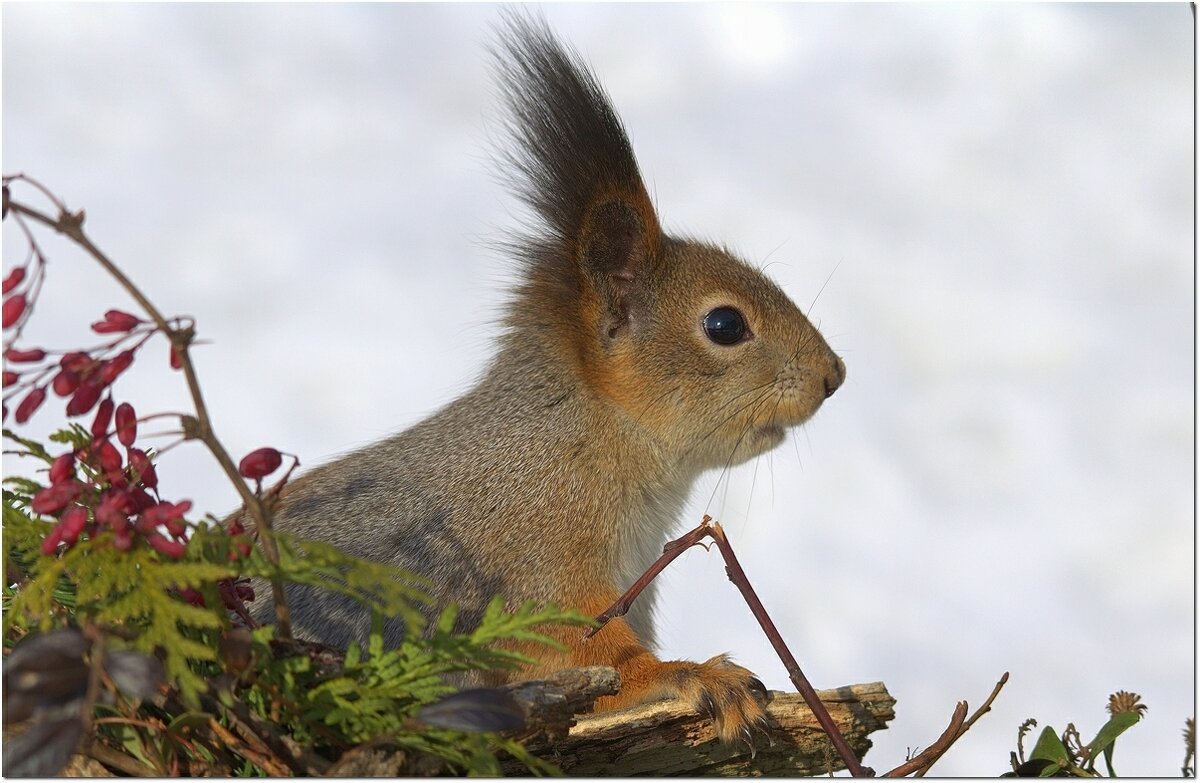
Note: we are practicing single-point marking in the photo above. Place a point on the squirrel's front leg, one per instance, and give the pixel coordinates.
(730, 694)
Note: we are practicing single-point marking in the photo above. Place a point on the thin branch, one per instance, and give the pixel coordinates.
(985, 708)
(935, 750)
(921, 763)
(71, 225)
(120, 761)
(260, 756)
(734, 570)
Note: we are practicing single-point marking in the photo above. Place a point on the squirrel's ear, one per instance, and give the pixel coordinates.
(572, 162)
(615, 249)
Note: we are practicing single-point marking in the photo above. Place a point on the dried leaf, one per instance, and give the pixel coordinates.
(477, 709)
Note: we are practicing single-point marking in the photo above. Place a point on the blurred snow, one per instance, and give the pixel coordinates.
(994, 202)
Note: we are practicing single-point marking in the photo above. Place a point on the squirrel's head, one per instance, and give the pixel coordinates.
(689, 342)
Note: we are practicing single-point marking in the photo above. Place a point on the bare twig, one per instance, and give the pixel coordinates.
(930, 754)
(70, 225)
(736, 575)
(985, 708)
(934, 752)
(261, 756)
(122, 762)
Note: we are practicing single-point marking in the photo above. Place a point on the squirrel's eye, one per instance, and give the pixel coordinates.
(725, 326)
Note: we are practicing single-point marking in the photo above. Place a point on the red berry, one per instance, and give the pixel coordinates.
(143, 468)
(116, 321)
(191, 596)
(10, 377)
(111, 511)
(53, 499)
(175, 363)
(126, 424)
(103, 417)
(84, 398)
(164, 513)
(65, 383)
(14, 279)
(29, 355)
(166, 546)
(31, 403)
(14, 308)
(50, 542)
(260, 462)
(72, 522)
(63, 468)
(76, 361)
(110, 369)
(110, 458)
(123, 541)
(141, 498)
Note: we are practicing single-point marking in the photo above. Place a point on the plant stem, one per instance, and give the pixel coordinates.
(71, 226)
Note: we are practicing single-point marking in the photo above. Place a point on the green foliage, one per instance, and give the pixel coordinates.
(382, 588)
(1065, 755)
(377, 692)
(372, 695)
(135, 591)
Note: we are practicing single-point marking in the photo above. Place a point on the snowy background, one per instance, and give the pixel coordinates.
(998, 201)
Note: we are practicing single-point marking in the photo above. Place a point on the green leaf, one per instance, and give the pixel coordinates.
(389, 590)
(32, 446)
(1107, 736)
(1050, 748)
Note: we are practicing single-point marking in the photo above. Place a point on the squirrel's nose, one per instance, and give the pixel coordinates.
(835, 378)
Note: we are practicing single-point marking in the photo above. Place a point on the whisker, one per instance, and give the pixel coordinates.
(724, 421)
(655, 401)
(822, 289)
(738, 443)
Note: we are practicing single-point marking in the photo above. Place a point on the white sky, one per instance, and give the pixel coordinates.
(1000, 196)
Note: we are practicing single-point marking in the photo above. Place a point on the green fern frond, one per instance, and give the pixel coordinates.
(383, 588)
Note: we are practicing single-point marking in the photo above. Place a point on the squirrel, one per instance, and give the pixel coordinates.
(632, 361)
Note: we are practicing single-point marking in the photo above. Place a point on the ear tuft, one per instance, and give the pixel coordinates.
(571, 160)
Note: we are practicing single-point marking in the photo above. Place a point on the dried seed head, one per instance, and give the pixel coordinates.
(1124, 701)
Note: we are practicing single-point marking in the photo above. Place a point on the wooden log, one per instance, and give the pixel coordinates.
(668, 738)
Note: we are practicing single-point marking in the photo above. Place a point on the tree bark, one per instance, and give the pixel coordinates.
(667, 738)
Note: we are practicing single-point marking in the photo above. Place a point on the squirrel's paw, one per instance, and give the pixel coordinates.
(733, 697)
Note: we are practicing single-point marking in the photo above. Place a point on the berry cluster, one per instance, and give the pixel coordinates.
(108, 485)
(121, 490)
